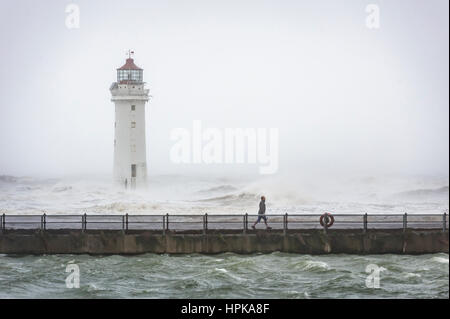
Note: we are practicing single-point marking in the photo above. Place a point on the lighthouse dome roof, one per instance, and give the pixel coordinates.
(129, 65)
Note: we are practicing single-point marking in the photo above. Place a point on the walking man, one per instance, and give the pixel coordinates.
(262, 213)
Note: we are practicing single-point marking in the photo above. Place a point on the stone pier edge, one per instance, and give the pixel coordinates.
(313, 242)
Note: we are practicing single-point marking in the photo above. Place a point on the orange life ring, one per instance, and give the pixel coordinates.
(331, 220)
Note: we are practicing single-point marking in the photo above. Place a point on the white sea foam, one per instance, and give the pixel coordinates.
(411, 275)
(93, 287)
(186, 195)
(221, 270)
(440, 260)
(314, 265)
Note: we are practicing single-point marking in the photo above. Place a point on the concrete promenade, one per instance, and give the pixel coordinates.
(210, 234)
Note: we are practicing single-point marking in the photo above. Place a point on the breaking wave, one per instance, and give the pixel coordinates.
(233, 198)
(218, 189)
(59, 189)
(420, 194)
(440, 260)
(8, 179)
(126, 207)
(312, 265)
(191, 195)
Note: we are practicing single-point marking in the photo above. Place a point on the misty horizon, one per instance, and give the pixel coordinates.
(347, 100)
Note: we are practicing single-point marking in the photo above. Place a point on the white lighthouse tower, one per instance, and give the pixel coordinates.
(129, 96)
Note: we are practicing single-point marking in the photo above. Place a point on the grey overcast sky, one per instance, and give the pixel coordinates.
(344, 97)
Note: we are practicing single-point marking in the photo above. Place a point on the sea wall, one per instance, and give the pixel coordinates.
(260, 241)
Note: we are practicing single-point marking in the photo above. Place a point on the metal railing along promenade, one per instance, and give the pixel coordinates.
(207, 222)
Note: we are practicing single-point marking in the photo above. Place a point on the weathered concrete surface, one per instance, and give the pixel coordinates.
(303, 242)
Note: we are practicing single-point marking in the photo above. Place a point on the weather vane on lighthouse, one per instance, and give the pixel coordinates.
(129, 96)
(130, 53)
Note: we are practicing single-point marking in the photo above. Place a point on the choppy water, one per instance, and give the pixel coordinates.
(276, 275)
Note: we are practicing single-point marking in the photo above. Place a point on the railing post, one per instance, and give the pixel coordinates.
(167, 222)
(444, 220)
(164, 224)
(246, 221)
(284, 223)
(243, 225)
(126, 222)
(325, 223)
(365, 222)
(4, 222)
(44, 222)
(206, 222)
(123, 223)
(83, 219)
(405, 222)
(1, 222)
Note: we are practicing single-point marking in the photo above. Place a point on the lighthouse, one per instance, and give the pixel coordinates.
(129, 96)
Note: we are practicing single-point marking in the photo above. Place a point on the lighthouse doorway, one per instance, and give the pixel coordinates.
(133, 176)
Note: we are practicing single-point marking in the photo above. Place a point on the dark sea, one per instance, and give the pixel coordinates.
(276, 275)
